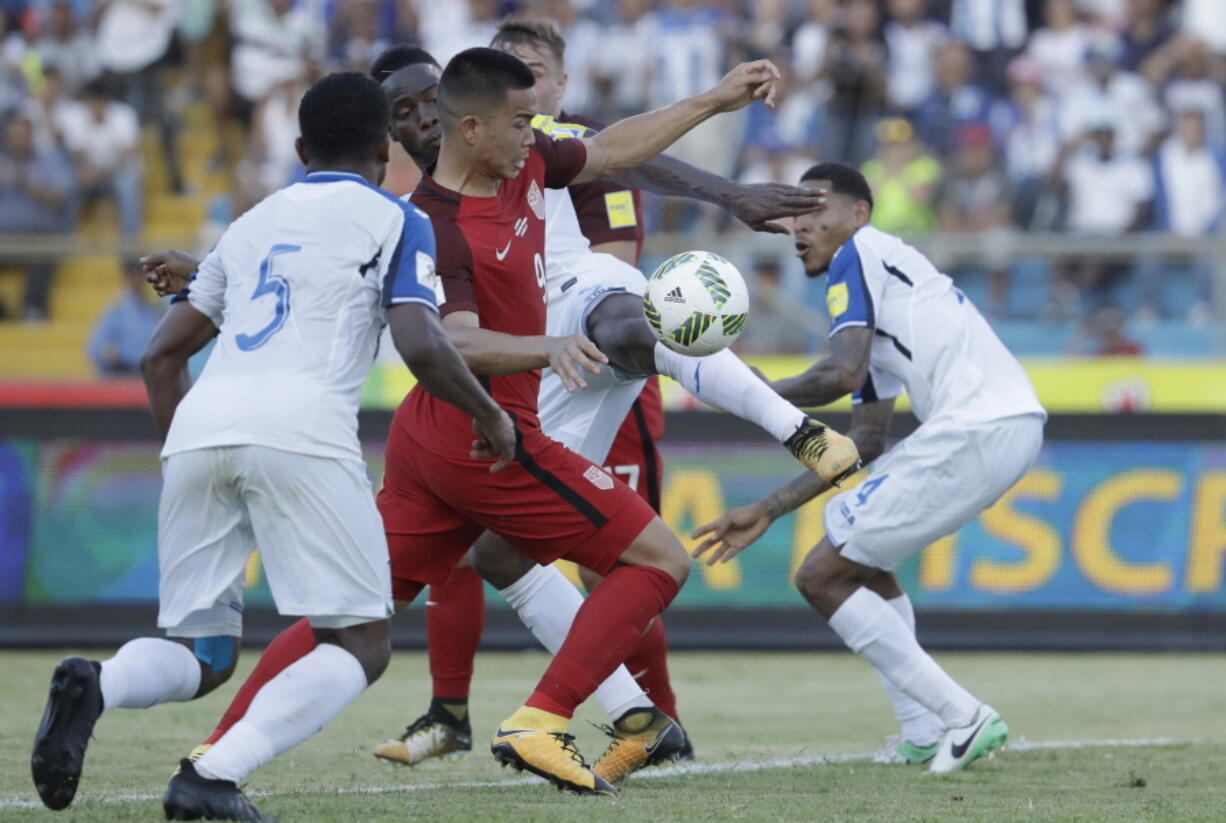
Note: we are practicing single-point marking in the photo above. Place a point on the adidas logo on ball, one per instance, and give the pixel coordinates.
(696, 303)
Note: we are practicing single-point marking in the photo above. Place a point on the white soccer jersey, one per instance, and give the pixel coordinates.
(929, 339)
(297, 287)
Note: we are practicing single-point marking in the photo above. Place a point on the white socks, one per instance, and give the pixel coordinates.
(547, 603)
(291, 707)
(723, 381)
(919, 726)
(876, 632)
(147, 671)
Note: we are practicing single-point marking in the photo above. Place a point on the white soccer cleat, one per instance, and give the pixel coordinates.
(962, 746)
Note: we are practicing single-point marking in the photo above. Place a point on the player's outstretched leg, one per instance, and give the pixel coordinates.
(144, 672)
(835, 586)
(605, 630)
(618, 329)
(455, 618)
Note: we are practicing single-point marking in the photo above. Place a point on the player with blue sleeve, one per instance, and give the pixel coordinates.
(263, 450)
(898, 325)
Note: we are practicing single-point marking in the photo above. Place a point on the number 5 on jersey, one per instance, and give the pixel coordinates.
(270, 283)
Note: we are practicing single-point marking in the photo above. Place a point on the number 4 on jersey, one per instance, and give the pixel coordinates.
(270, 283)
(867, 488)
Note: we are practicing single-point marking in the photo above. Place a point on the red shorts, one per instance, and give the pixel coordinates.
(550, 503)
(634, 457)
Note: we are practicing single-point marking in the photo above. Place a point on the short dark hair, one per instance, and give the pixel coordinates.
(342, 117)
(395, 58)
(479, 79)
(527, 31)
(844, 179)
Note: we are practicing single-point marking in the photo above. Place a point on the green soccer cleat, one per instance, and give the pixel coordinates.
(900, 752)
(962, 746)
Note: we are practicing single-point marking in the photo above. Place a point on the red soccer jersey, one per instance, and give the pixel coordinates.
(491, 260)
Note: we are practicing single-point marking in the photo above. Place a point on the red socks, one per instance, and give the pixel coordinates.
(455, 617)
(290, 645)
(648, 664)
(607, 628)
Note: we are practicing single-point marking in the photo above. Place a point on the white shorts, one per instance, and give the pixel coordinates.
(929, 485)
(314, 520)
(587, 421)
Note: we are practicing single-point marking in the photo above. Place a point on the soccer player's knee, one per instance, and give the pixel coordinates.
(370, 643)
(499, 564)
(676, 561)
(218, 657)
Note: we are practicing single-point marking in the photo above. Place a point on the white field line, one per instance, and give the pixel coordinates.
(679, 770)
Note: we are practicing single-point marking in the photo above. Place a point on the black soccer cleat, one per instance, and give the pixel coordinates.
(687, 751)
(192, 797)
(73, 707)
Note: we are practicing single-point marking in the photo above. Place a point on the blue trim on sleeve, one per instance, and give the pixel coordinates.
(400, 284)
(847, 270)
(867, 393)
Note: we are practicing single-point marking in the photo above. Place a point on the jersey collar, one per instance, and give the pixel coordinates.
(335, 177)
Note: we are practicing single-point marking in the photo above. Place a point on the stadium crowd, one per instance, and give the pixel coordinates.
(1095, 117)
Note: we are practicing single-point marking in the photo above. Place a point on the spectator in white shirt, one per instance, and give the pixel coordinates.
(274, 43)
(133, 39)
(912, 42)
(69, 47)
(1190, 179)
(1060, 46)
(103, 137)
(1028, 128)
(995, 31)
(1109, 194)
(811, 38)
(1190, 202)
(623, 63)
(1107, 87)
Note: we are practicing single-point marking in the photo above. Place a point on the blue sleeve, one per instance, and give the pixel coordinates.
(411, 275)
(847, 294)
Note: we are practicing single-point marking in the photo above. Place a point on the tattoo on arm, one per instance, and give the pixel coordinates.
(841, 373)
(870, 424)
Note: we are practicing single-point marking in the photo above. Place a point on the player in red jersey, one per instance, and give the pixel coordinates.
(485, 196)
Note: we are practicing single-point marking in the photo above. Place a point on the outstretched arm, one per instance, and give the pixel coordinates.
(635, 140)
(183, 331)
(829, 379)
(755, 205)
(739, 528)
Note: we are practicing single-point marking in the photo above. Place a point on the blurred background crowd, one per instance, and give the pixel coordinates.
(1062, 159)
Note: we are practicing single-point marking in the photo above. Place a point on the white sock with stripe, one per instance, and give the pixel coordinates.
(723, 381)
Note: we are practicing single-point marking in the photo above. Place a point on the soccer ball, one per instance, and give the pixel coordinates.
(696, 303)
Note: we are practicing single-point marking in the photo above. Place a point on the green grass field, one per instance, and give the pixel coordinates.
(779, 737)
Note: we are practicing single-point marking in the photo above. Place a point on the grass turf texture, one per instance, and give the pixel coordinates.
(754, 710)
